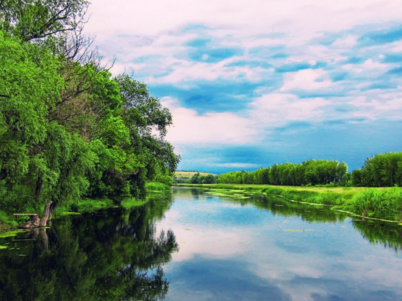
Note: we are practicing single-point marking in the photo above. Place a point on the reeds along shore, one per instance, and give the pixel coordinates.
(381, 203)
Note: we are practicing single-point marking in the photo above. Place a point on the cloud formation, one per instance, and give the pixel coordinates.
(239, 72)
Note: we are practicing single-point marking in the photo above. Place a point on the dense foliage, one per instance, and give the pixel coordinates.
(68, 128)
(199, 179)
(310, 172)
(385, 203)
(380, 170)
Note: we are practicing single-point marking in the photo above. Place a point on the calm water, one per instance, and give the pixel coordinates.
(202, 247)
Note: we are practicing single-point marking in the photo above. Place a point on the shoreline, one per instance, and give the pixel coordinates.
(341, 199)
(85, 205)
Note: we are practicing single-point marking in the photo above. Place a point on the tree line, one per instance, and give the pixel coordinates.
(382, 170)
(310, 172)
(68, 128)
(378, 171)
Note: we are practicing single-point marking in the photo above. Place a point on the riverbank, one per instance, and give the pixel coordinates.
(155, 190)
(379, 203)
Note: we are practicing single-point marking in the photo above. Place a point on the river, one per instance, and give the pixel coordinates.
(198, 246)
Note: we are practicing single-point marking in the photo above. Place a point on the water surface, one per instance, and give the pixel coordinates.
(197, 246)
(261, 249)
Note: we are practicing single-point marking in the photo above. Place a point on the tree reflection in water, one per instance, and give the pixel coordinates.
(377, 232)
(110, 255)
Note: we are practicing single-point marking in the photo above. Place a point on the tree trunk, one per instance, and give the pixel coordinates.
(35, 221)
(38, 189)
(46, 215)
(51, 210)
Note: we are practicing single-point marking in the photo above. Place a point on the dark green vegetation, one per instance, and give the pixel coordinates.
(380, 203)
(194, 177)
(115, 254)
(382, 170)
(154, 190)
(199, 179)
(68, 130)
(310, 172)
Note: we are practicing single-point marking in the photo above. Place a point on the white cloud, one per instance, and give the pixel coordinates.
(388, 106)
(151, 40)
(273, 110)
(264, 113)
(348, 42)
(308, 79)
(186, 71)
(397, 46)
(211, 128)
(371, 64)
(301, 19)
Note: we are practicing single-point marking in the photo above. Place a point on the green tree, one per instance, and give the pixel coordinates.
(209, 179)
(195, 178)
(38, 19)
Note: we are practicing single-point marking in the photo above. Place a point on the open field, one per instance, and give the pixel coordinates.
(380, 203)
(189, 174)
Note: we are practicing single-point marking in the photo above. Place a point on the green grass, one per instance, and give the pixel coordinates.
(7, 220)
(69, 213)
(11, 233)
(132, 203)
(380, 203)
(83, 205)
(155, 190)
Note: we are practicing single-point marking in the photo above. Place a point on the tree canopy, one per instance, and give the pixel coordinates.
(68, 128)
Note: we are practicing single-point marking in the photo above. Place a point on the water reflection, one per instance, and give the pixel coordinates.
(111, 255)
(377, 232)
(230, 249)
(270, 249)
(278, 206)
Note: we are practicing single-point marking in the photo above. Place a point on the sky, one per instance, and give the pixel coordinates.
(258, 82)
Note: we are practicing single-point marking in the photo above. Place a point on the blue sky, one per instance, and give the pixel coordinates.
(253, 83)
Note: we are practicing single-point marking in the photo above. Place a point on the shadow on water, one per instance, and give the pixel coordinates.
(109, 255)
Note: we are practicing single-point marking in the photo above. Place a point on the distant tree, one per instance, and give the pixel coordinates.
(209, 179)
(195, 178)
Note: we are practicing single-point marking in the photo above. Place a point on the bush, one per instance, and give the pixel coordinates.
(164, 179)
(385, 204)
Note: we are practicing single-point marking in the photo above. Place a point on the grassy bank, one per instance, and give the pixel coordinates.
(154, 191)
(381, 203)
